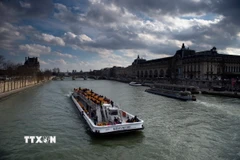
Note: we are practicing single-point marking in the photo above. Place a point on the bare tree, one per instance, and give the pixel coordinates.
(2, 59)
(47, 73)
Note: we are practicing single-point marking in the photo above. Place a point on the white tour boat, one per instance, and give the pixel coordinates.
(102, 116)
(135, 84)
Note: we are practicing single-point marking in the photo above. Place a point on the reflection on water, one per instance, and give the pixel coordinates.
(206, 129)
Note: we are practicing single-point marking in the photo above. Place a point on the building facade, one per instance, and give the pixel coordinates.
(32, 63)
(189, 64)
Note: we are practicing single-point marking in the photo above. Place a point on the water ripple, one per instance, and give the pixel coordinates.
(206, 129)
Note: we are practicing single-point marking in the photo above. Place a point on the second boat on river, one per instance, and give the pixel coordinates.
(172, 91)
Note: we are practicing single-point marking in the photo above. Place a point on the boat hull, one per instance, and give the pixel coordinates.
(108, 129)
(168, 95)
(135, 84)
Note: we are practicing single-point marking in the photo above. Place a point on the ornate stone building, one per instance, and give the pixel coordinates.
(32, 63)
(189, 64)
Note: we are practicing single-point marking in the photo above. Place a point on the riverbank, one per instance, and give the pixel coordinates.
(204, 90)
(15, 91)
(221, 93)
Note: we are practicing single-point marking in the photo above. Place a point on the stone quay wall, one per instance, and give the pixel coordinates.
(19, 83)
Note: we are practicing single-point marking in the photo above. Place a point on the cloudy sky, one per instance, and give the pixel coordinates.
(93, 34)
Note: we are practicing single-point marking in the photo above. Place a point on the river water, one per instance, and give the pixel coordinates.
(174, 130)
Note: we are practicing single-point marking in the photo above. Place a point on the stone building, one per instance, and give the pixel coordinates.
(32, 63)
(189, 64)
(123, 72)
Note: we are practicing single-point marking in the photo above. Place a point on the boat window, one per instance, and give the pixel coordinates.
(113, 112)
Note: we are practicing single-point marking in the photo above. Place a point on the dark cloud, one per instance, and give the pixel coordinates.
(10, 35)
(117, 24)
(170, 7)
(118, 40)
(12, 29)
(230, 9)
(18, 10)
(222, 35)
(113, 20)
(99, 13)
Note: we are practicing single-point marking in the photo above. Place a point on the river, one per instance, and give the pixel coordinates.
(174, 130)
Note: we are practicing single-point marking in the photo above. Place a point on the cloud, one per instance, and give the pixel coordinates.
(76, 38)
(42, 62)
(12, 11)
(35, 49)
(132, 54)
(24, 4)
(117, 30)
(231, 51)
(51, 39)
(64, 55)
(9, 35)
(38, 50)
(77, 41)
(58, 62)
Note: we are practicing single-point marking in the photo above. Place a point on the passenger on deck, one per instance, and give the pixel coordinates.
(135, 119)
(115, 120)
(128, 120)
(118, 120)
(112, 103)
(95, 120)
(92, 114)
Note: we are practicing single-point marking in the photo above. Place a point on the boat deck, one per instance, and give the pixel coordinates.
(96, 107)
(102, 116)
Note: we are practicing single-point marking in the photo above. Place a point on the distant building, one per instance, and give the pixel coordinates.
(188, 64)
(32, 63)
(105, 72)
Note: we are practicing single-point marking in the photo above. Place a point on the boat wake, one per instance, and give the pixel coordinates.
(69, 94)
(207, 104)
(219, 107)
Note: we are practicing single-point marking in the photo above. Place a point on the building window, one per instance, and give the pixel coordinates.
(155, 73)
(146, 74)
(150, 74)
